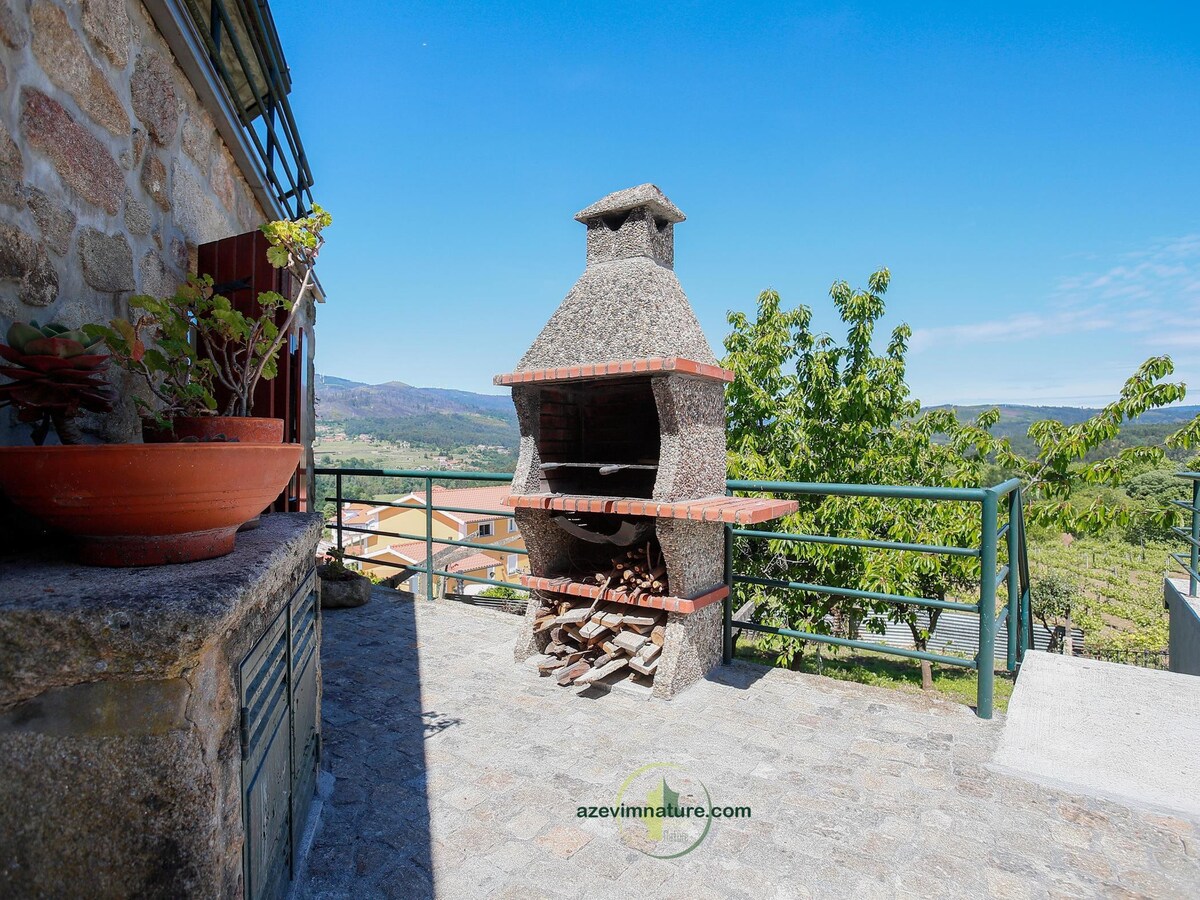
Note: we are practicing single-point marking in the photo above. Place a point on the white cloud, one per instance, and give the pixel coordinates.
(1153, 293)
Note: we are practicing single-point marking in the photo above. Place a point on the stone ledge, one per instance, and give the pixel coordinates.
(63, 624)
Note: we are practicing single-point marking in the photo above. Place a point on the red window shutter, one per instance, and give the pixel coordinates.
(240, 264)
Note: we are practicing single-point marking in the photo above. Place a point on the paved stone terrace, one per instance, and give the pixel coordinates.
(458, 774)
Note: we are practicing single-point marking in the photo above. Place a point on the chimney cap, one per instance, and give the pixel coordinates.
(647, 195)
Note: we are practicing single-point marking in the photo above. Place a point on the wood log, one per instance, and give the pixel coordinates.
(639, 618)
(649, 651)
(658, 635)
(592, 629)
(574, 616)
(602, 671)
(645, 668)
(629, 642)
(567, 674)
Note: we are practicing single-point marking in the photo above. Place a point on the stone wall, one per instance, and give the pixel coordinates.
(111, 172)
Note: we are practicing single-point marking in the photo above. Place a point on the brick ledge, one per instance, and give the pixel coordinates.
(726, 510)
(683, 605)
(617, 368)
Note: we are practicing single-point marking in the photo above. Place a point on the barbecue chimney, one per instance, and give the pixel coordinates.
(620, 482)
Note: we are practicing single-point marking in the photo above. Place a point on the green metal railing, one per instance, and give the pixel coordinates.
(1015, 577)
(1191, 564)
(429, 477)
(1014, 608)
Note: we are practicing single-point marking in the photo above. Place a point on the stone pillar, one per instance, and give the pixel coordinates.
(119, 716)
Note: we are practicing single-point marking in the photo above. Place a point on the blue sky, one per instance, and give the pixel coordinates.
(1030, 176)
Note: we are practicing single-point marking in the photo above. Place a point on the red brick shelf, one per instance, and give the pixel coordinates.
(682, 605)
(728, 510)
(616, 369)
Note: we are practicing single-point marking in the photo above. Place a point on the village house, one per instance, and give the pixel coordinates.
(386, 556)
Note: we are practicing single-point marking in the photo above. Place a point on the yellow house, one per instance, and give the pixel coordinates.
(386, 555)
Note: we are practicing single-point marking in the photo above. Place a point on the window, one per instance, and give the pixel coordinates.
(485, 529)
(512, 526)
(512, 562)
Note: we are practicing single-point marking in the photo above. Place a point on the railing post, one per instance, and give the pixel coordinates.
(338, 499)
(1195, 537)
(986, 660)
(429, 539)
(727, 631)
(1014, 578)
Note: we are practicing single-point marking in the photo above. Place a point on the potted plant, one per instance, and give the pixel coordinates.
(128, 504)
(157, 346)
(341, 586)
(186, 345)
(55, 373)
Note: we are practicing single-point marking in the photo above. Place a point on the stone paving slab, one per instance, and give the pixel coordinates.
(459, 774)
(1109, 730)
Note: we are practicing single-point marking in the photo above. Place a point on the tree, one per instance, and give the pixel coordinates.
(1153, 492)
(1056, 473)
(803, 407)
(1051, 598)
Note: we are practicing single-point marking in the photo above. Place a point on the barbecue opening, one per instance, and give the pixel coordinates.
(600, 438)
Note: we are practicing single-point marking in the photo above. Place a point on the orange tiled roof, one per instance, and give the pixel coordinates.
(489, 497)
(472, 563)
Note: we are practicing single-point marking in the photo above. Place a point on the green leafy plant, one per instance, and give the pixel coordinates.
(55, 373)
(157, 346)
(335, 568)
(1051, 598)
(804, 407)
(187, 344)
(245, 349)
(1057, 473)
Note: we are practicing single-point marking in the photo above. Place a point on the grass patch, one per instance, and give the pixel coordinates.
(897, 673)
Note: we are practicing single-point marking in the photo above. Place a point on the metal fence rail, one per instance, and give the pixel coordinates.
(1190, 565)
(1016, 608)
(1013, 576)
(429, 477)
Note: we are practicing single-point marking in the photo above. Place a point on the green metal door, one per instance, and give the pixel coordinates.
(280, 741)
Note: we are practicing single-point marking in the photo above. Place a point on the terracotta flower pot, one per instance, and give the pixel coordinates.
(247, 429)
(147, 504)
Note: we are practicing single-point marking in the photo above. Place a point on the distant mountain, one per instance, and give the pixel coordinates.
(335, 382)
(444, 418)
(432, 417)
(1014, 416)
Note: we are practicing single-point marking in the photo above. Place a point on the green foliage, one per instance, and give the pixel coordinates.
(1118, 599)
(806, 407)
(186, 344)
(1065, 462)
(1051, 597)
(441, 431)
(503, 593)
(244, 349)
(803, 407)
(157, 346)
(55, 373)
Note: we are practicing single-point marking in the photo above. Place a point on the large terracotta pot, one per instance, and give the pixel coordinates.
(147, 504)
(247, 429)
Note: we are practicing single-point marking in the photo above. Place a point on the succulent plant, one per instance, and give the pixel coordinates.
(56, 372)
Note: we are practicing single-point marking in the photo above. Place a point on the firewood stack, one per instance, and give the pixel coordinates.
(637, 572)
(590, 640)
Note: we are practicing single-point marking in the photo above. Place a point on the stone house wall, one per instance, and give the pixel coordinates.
(111, 172)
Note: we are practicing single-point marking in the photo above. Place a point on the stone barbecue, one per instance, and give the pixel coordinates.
(620, 484)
